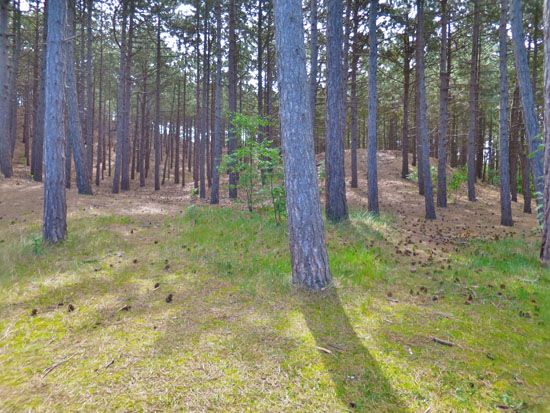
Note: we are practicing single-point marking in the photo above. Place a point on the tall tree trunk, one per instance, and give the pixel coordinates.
(372, 169)
(14, 72)
(38, 136)
(100, 135)
(545, 248)
(89, 89)
(232, 92)
(422, 113)
(157, 109)
(74, 128)
(336, 205)
(474, 104)
(177, 137)
(5, 145)
(406, 89)
(260, 61)
(214, 196)
(121, 136)
(527, 101)
(354, 103)
(505, 201)
(443, 111)
(144, 131)
(55, 207)
(310, 265)
(314, 46)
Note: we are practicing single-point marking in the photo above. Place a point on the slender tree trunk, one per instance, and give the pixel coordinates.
(406, 89)
(100, 135)
(157, 110)
(310, 265)
(232, 92)
(177, 137)
(120, 134)
(14, 72)
(74, 128)
(505, 202)
(314, 58)
(422, 113)
(55, 206)
(527, 101)
(372, 169)
(38, 138)
(525, 176)
(545, 248)
(89, 89)
(214, 197)
(354, 103)
(474, 104)
(5, 145)
(443, 111)
(336, 205)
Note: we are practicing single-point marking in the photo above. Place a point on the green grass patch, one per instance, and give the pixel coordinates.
(89, 325)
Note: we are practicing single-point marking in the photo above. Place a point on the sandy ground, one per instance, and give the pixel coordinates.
(21, 201)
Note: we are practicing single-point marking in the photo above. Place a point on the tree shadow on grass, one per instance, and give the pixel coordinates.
(360, 383)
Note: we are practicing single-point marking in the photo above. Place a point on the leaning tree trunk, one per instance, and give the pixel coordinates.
(55, 206)
(336, 205)
(217, 149)
(527, 101)
(310, 265)
(545, 249)
(5, 138)
(474, 105)
(504, 164)
(372, 169)
(422, 118)
(443, 111)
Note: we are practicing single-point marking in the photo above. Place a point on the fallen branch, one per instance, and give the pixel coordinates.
(443, 342)
(324, 350)
(56, 365)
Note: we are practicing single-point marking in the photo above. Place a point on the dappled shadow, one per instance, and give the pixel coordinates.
(359, 382)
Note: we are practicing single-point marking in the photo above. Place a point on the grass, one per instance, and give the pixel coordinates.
(238, 337)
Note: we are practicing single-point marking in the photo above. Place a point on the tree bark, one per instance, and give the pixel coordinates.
(314, 62)
(55, 208)
(545, 248)
(217, 147)
(353, 91)
(527, 102)
(474, 104)
(406, 90)
(505, 201)
(422, 115)
(310, 265)
(443, 111)
(372, 168)
(232, 92)
(74, 128)
(336, 205)
(5, 120)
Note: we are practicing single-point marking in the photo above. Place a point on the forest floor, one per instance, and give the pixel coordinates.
(158, 301)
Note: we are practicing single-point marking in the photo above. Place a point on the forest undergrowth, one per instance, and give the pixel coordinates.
(194, 311)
